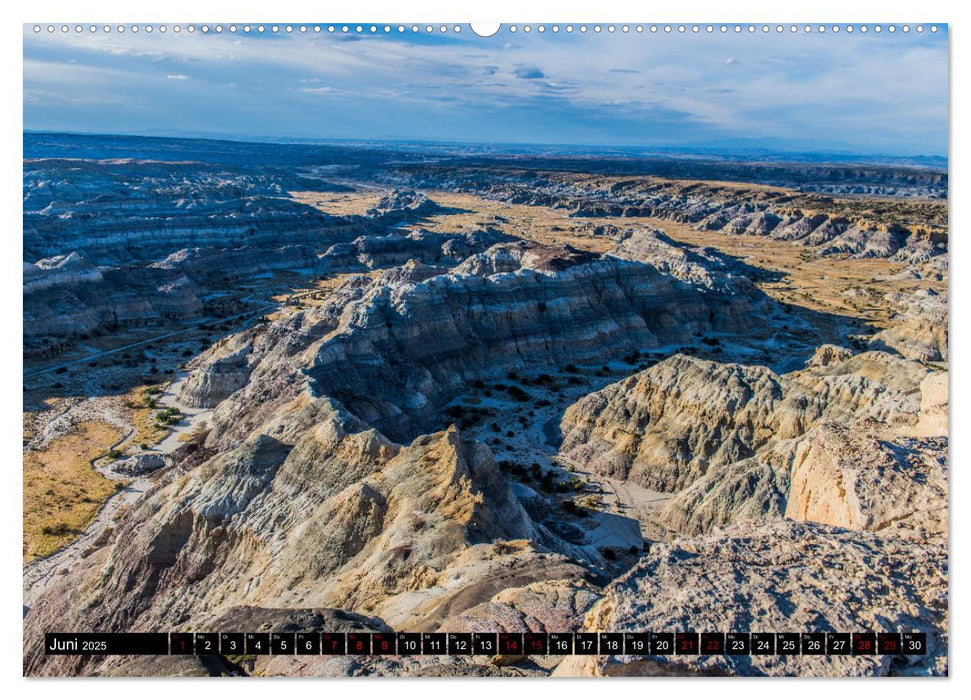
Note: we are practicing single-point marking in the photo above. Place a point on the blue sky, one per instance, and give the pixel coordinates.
(863, 93)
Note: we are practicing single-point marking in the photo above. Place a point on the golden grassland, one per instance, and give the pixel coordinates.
(62, 490)
(807, 279)
(342, 203)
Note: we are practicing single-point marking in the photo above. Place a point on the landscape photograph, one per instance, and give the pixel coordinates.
(609, 333)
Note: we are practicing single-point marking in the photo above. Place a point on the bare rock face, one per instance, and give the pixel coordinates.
(440, 250)
(666, 426)
(554, 606)
(67, 297)
(141, 464)
(827, 355)
(313, 511)
(743, 491)
(555, 309)
(225, 371)
(735, 443)
(933, 405)
(778, 575)
(865, 240)
(404, 200)
(701, 267)
(671, 423)
(919, 330)
(845, 478)
(60, 270)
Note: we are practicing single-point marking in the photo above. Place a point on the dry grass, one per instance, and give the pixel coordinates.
(808, 279)
(62, 491)
(316, 295)
(341, 203)
(141, 405)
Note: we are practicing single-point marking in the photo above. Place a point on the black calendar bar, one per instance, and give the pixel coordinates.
(679, 643)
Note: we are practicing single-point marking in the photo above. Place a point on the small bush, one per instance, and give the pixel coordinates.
(455, 411)
(56, 530)
(575, 510)
(547, 482)
(518, 394)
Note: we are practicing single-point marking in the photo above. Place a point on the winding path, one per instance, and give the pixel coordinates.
(43, 572)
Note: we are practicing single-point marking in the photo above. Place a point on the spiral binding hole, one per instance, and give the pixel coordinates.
(513, 28)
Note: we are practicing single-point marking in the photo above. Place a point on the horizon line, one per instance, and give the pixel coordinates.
(378, 142)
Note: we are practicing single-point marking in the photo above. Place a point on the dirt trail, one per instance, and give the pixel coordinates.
(41, 573)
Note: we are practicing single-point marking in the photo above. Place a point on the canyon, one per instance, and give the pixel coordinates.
(374, 389)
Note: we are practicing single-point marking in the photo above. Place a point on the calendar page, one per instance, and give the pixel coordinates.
(537, 349)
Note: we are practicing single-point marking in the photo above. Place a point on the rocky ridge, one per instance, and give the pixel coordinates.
(513, 306)
(849, 227)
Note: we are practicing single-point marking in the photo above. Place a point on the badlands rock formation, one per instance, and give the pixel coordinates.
(778, 575)
(511, 307)
(854, 447)
(295, 500)
(919, 329)
(739, 443)
(314, 510)
(833, 226)
(426, 418)
(115, 244)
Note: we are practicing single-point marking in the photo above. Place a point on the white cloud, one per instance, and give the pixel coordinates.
(752, 85)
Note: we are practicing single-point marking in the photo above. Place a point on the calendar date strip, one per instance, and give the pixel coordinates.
(489, 643)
